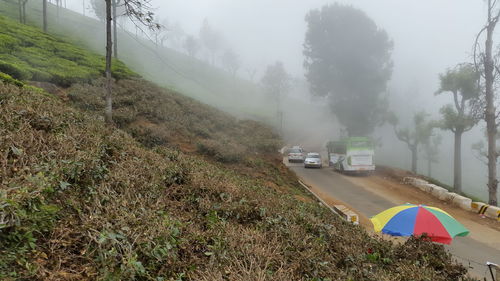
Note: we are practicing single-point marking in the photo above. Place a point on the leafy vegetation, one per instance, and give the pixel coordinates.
(28, 54)
(157, 116)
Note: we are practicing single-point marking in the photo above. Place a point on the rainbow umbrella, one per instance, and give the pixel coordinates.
(409, 219)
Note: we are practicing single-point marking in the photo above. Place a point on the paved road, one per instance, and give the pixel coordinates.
(368, 203)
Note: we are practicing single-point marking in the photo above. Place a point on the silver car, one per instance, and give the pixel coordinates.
(313, 160)
(296, 154)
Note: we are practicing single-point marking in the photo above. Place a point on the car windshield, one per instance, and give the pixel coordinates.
(313, 156)
(295, 150)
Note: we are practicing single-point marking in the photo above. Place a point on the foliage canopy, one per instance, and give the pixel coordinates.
(348, 60)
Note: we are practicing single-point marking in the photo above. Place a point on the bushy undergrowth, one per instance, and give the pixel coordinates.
(157, 116)
(26, 53)
(82, 201)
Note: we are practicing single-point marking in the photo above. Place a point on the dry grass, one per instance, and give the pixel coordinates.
(157, 116)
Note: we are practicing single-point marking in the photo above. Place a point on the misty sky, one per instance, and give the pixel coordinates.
(429, 36)
(432, 31)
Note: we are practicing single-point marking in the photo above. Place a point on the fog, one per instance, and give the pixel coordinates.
(429, 37)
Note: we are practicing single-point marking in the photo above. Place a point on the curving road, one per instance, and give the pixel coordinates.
(470, 252)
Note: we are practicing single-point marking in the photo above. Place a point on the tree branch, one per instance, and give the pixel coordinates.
(476, 47)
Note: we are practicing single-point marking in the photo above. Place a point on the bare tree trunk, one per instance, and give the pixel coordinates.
(429, 167)
(44, 15)
(108, 114)
(414, 158)
(115, 36)
(24, 11)
(83, 6)
(457, 162)
(20, 11)
(491, 125)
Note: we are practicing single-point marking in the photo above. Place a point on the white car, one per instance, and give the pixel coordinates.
(313, 160)
(296, 154)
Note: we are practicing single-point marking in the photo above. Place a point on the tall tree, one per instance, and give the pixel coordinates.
(139, 11)
(99, 8)
(176, 36)
(108, 111)
(431, 152)
(44, 15)
(251, 71)
(191, 46)
(462, 83)
(22, 11)
(486, 64)
(230, 61)
(276, 83)
(416, 136)
(58, 5)
(348, 60)
(115, 31)
(211, 39)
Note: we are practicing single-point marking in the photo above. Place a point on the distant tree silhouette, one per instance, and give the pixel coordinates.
(419, 134)
(99, 8)
(348, 60)
(191, 45)
(431, 152)
(230, 61)
(211, 39)
(276, 83)
(22, 11)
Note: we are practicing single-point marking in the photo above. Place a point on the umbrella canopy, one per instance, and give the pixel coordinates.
(409, 219)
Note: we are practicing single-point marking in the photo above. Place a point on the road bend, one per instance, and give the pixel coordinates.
(471, 253)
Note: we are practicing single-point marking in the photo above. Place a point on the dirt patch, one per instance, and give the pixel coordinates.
(51, 88)
(303, 198)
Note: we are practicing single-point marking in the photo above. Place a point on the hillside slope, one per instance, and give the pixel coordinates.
(83, 201)
(177, 191)
(164, 66)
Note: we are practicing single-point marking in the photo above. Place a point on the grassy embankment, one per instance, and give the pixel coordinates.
(161, 65)
(180, 192)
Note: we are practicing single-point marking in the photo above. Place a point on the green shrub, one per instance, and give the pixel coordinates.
(26, 53)
(16, 71)
(222, 151)
(42, 76)
(8, 43)
(5, 78)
